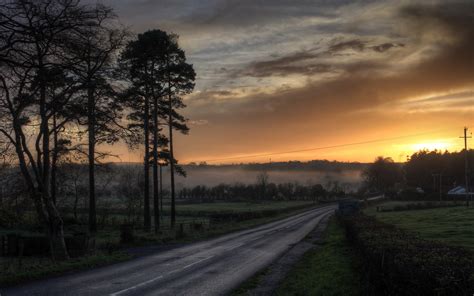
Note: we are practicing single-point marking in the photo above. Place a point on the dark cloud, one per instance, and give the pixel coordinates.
(355, 44)
(386, 46)
(360, 45)
(455, 16)
(307, 63)
(287, 65)
(362, 85)
(234, 12)
(192, 15)
(456, 20)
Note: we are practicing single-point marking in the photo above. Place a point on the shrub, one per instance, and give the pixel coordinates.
(399, 263)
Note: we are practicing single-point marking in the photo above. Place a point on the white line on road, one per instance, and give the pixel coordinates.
(234, 246)
(158, 277)
(136, 286)
(189, 265)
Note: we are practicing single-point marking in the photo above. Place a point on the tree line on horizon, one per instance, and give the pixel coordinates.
(73, 78)
(432, 171)
(317, 164)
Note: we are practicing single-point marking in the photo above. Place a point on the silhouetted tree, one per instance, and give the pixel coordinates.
(33, 35)
(382, 174)
(155, 67)
(61, 89)
(91, 53)
(180, 77)
(423, 166)
(141, 63)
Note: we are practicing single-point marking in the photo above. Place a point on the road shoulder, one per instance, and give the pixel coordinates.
(268, 281)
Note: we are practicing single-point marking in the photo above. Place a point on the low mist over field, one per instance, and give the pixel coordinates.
(346, 175)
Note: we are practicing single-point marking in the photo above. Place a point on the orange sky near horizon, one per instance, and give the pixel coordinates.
(396, 148)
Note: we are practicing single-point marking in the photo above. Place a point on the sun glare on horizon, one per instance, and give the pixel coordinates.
(431, 146)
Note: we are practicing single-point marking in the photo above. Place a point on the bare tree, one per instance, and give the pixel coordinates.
(92, 53)
(32, 35)
(52, 52)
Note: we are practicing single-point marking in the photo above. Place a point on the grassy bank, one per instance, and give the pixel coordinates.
(452, 225)
(15, 271)
(329, 270)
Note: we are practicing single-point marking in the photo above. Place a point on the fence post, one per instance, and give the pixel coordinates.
(181, 230)
(20, 252)
(3, 248)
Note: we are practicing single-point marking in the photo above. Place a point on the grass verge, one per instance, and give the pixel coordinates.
(13, 272)
(250, 284)
(328, 270)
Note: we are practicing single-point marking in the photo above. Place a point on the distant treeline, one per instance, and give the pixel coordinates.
(425, 167)
(432, 171)
(312, 165)
(260, 191)
(121, 186)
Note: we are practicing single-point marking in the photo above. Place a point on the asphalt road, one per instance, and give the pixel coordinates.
(212, 267)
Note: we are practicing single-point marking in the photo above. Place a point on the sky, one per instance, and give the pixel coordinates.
(322, 79)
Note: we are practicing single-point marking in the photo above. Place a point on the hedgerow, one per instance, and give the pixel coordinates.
(400, 263)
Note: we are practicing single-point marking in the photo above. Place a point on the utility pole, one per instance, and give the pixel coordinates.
(434, 181)
(440, 187)
(466, 165)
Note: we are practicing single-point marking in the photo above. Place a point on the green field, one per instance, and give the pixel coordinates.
(240, 206)
(198, 213)
(451, 225)
(329, 270)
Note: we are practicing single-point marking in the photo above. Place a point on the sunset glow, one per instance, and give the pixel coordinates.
(433, 146)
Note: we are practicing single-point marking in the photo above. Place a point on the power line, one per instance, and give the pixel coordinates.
(320, 148)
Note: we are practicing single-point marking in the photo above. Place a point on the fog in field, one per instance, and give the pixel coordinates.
(347, 179)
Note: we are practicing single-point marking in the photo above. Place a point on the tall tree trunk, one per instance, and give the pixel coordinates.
(156, 212)
(91, 130)
(56, 233)
(146, 206)
(161, 191)
(52, 220)
(170, 124)
(45, 148)
(76, 200)
(54, 160)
